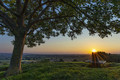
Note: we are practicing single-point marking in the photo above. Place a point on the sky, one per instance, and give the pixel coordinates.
(64, 45)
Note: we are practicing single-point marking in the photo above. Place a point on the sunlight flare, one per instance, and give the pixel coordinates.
(94, 50)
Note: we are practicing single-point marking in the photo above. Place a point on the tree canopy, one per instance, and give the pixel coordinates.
(46, 18)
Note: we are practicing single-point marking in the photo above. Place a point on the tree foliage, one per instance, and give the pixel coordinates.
(40, 19)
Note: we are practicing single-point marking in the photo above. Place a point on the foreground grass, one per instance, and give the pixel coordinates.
(64, 71)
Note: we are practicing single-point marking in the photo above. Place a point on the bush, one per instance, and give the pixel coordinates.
(61, 60)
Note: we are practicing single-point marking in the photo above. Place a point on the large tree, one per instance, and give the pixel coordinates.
(30, 21)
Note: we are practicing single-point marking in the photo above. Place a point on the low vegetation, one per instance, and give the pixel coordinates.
(64, 71)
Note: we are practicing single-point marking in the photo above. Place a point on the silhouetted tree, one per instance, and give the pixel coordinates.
(30, 21)
(103, 55)
(74, 60)
(61, 60)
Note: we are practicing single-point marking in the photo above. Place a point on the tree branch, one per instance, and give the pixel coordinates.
(42, 12)
(33, 13)
(49, 1)
(48, 18)
(1, 3)
(37, 8)
(40, 5)
(8, 21)
(76, 8)
(25, 6)
(18, 6)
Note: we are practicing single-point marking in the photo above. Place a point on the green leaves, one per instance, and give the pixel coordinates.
(2, 31)
(66, 17)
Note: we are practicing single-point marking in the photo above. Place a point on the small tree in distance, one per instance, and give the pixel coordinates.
(30, 21)
(61, 60)
(75, 60)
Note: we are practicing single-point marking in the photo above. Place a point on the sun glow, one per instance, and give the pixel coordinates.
(94, 50)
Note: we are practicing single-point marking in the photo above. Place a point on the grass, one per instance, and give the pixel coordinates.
(65, 71)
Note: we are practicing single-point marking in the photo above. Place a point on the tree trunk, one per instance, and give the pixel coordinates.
(15, 63)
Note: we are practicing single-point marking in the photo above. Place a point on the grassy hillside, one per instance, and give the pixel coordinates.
(64, 71)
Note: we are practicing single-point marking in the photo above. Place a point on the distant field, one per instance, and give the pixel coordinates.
(4, 62)
(65, 71)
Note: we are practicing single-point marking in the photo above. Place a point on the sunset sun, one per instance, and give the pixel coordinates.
(94, 50)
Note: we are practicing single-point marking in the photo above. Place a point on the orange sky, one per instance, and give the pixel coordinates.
(83, 44)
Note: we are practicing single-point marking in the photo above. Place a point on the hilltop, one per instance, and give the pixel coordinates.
(64, 71)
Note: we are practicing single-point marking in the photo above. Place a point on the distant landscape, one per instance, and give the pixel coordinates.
(57, 57)
(50, 57)
(30, 58)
